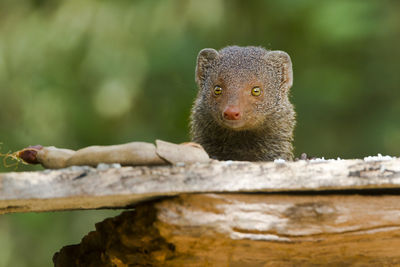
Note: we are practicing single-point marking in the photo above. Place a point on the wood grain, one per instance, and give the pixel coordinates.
(91, 188)
(248, 230)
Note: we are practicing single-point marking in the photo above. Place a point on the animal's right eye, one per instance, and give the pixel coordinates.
(217, 90)
(256, 91)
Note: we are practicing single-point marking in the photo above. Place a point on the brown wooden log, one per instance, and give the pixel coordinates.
(246, 230)
(278, 213)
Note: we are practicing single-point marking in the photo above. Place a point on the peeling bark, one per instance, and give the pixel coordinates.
(246, 230)
(129, 154)
(277, 213)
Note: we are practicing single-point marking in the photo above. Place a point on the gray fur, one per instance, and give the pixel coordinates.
(268, 121)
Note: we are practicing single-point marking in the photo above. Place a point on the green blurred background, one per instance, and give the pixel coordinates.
(77, 73)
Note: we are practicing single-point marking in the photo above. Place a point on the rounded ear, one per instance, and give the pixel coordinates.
(204, 60)
(283, 64)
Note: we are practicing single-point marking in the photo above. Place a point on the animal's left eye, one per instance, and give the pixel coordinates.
(217, 90)
(256, 91)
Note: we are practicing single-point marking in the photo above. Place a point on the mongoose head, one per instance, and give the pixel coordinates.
(243, 86)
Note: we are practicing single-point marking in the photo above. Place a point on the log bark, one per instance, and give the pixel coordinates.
(91, 188)
(306, 213)
(246, 230)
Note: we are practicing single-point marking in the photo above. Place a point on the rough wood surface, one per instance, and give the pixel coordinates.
(90, 188)
(246, 230)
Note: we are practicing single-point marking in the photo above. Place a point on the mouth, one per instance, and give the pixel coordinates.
(236, 125)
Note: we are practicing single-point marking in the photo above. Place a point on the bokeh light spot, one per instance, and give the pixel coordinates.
(113, 99)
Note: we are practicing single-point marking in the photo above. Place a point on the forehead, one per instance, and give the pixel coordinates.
(241, 69)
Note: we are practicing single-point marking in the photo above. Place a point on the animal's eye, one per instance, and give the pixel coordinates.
(217, 90)
(256, 91)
